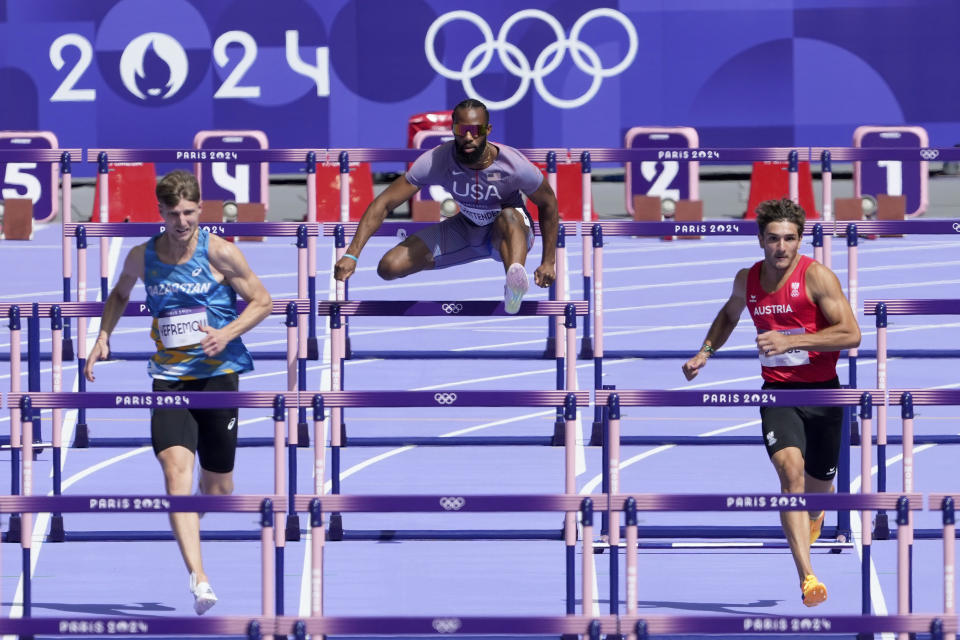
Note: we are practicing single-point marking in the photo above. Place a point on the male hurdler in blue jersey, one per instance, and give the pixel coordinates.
(192, 280)
(486, 181)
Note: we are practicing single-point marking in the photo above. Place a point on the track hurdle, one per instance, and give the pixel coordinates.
(270, 536)
(279, 402)
(302, 231)
(400, 230)
(632, 503)
(881, 309)
(729, 398)
(589, 156)
(569, 503)
(306, 287)
(565, 366)
(447, 399)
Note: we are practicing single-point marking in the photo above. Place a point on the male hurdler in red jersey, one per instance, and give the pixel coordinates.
(803, 321)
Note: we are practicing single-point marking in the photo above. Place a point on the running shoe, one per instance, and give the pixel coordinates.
(517, 284)
(815, 526)
(203, 595)
(814, 591)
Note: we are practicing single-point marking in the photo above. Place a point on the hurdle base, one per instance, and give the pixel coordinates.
(551, 349)
(854, 433)
(292, 532)
(303, 435)
(586, 348)
(313, 349)
(13, 533)
(335, 530)
(559, 434)
(56, 528)
(596, 435)
(81, 436)
(881, 527)
(67, 350)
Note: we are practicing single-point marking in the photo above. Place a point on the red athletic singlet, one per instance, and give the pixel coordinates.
(789, 311)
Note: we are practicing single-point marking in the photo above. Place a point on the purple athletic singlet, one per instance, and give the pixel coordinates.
(481, 194)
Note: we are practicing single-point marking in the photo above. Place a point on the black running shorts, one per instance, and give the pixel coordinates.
(210, 433)
(814, 430)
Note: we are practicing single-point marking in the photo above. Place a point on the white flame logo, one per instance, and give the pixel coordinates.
(167, 48)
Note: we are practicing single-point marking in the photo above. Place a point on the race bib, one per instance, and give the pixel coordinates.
(792, 358)
(181, 327)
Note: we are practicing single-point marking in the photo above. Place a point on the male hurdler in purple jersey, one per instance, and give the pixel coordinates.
(488, 182)
(480, 194)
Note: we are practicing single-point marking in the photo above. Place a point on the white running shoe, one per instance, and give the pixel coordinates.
(203, 595)
(517, 284)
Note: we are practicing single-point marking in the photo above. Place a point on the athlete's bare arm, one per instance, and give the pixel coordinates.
(823, 289)
(226, 258)
(548, 213)
(723, 325)
(115, 305)
(399, 191)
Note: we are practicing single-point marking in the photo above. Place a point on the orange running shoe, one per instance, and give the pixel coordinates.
(815, 526)
(814, 591)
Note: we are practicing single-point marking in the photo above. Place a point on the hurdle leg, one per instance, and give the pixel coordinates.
(81, 434)
(949, 561)
(316, 558)
(313, 350)
(26, 539)
(303, 435)
(33, 371)
(56, 520)
(843, 481)
(66, 212)
(279, 537)
(14, 531)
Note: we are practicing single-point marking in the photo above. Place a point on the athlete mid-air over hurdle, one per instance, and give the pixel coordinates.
(486, 181)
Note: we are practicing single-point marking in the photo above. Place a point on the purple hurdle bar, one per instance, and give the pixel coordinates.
(593, 628)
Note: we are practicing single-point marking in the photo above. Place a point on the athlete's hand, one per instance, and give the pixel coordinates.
(215, 341)
(100, 351)
(692, 366)
(773, 343)
(344, 268)
(545, 275)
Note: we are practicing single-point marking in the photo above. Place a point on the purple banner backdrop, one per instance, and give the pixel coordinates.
(335, 73)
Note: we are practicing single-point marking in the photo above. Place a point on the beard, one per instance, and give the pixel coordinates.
(472, 157)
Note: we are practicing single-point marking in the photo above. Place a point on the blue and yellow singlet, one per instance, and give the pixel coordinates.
(182, 298)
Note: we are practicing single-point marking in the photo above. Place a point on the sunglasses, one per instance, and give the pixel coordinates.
(476, 130)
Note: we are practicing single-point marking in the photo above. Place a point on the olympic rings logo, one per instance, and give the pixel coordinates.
(929, 154)
(451, 307)
(446, 625)
(452, 503)
(516, 62)
(445, 398)
(956, 227)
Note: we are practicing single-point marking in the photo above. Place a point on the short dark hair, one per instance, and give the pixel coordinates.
(176, 186)
(470, 103)
(783, 209)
